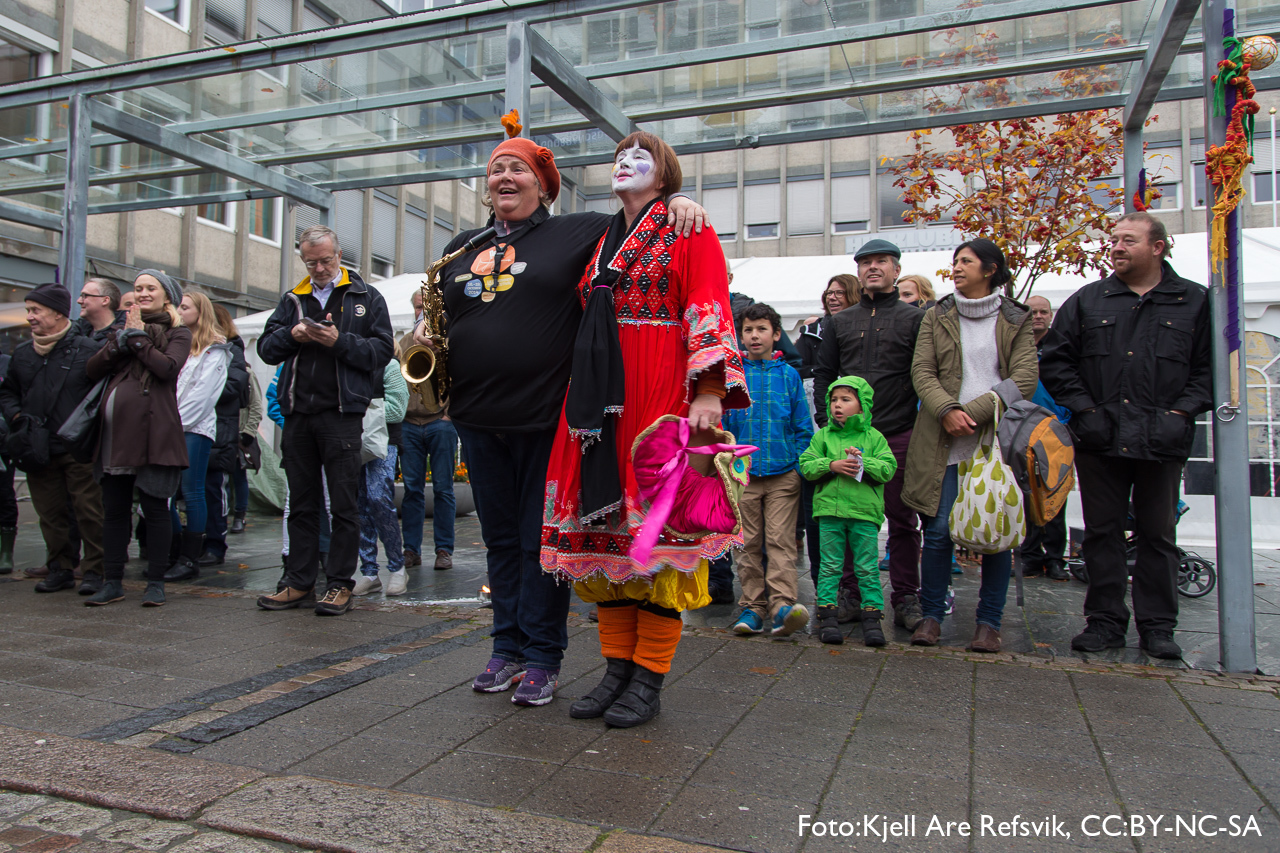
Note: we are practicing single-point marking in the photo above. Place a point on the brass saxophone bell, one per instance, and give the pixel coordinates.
(417, 364)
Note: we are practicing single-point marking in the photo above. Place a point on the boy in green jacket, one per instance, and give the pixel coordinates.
(850, 461)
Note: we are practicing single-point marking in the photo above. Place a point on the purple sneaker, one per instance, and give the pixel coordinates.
(537, 688)
(498, 676)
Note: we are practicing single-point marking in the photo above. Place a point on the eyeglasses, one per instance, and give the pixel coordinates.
(84, 295)
(322, 262)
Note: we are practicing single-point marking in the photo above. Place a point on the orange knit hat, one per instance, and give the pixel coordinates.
(540, 159)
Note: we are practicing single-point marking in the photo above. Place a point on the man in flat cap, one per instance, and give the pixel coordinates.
(875, 338)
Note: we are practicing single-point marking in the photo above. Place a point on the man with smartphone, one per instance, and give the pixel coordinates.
(333, 334)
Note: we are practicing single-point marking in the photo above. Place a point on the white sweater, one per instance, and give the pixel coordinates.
(980, 370)
(200, 384)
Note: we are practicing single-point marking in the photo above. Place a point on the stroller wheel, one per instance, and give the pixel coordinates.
(1078, 570)
(1196, 577)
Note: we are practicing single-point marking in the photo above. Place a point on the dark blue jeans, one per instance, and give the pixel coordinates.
(192, 488)
(437, 441)
(215, 529)
(508, 480)
(240, 483)
(935, 564)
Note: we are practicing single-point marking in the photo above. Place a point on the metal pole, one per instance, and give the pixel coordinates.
(1273, 167)
(75, 199)
(1133, 163)
(519, 74)
(1230, 426)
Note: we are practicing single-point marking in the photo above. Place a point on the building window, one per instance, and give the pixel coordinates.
(1164, 167)
(224, 21)
(217, 213)
(26, 123)
(175, 11)
(892, 207)
(1263, 169)
(850, 204)
(264, 218)
(804, 207)
(722, 208)
(762, 210)
(381, 268)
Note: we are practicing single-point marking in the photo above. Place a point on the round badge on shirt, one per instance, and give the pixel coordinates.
(472, 288)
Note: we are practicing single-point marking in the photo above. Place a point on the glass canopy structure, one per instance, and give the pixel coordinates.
(416, 98)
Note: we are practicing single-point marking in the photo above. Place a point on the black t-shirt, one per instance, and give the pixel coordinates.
(509, 357)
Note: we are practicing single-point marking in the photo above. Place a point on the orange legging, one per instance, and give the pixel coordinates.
(636, 633)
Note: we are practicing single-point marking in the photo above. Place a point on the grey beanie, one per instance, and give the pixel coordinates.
(171, 288)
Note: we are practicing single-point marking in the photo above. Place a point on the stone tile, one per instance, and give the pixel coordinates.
(625, 842)
(1199, 695)
(1134, 754)
(152, 691)
(13, 805)
(747, 772)
(856, 791)
(1041, 777)
(738, 821)
(522, 738)
(495, 780)
(423, 724)
(616, 752)
(1151, 792)
(267, 747)
(700, 730)
(1256, 721)
(310, 812)
(369, 761)
(593, 796)
(337, 714)
(66, 818)
(221, 842)
(146, 833)
(114, 776)
(770, 711)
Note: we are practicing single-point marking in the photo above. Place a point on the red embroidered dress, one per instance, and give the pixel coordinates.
(674, 323)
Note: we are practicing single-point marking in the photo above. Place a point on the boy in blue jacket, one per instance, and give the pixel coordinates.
(778, 423)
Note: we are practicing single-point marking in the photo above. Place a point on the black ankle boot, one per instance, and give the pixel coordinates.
(639, 703)
(188, 567)
(872, 634)
(617, 676)
(829, 627)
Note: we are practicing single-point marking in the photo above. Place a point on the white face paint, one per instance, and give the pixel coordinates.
(634, 171)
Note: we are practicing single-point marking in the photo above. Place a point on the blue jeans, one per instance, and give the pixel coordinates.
(437, 441)
(378, 515)
(935, 564)
(508, 480)
(192, 488)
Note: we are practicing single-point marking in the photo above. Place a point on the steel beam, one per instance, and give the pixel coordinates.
(180, 201)
(1134, 161)
(75, 198)
(1162, 50)
(580, 93)
(152, 135)
(32, 216)
(519, 76)
(1236, 639)
(261, 54)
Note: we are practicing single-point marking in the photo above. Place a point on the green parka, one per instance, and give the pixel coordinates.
(937, 371)
(842, 496)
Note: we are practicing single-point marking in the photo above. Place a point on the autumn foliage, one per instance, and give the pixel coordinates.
(1033, 185)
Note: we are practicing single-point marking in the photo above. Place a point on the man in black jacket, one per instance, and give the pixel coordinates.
(876, 340)
(1130, 357)
(45, 382)
(333, 334)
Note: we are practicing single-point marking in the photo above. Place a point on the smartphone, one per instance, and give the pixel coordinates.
(318, 324)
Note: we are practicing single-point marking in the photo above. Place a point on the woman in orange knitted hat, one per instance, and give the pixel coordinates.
(512, 313)
(657, 339)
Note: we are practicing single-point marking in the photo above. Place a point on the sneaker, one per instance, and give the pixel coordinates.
(366, 584)
(335, 602)
(749, 622)
(1094, 638)
(1160, 644)
(110, 593)
(907, 613)
(397, 582)
(789, 619)
(284, 599)
(955, 566)
(951, 602)
(57, 580)
(498, 676)
(884, 563)
(538, 687)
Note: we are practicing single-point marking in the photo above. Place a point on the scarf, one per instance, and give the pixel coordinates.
(44, 344)
(157, 328)
(597, 385)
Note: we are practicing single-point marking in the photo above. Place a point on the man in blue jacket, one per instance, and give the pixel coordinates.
(333, 335)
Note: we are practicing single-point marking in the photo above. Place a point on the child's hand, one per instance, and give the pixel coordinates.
(847, 467)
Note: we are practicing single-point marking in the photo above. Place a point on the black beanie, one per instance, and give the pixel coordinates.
(52, 295)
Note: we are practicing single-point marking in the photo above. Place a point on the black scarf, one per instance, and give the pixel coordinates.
(597, 387)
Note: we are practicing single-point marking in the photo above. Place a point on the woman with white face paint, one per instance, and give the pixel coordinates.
(657, 338)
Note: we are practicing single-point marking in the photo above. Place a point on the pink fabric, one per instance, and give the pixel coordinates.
(678, 495)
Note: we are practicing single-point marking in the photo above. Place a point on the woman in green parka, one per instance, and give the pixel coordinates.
(969, 342)
(850, 461)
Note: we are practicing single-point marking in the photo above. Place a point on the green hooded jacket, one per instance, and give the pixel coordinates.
(839, 495)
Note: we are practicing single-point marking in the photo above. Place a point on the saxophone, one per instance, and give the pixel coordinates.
(426, 368)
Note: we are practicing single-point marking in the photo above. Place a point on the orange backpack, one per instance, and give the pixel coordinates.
(1037, 446)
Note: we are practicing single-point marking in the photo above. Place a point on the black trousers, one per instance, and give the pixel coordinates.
(117, 525)
(1045, 543)
(330, 442)
(1106, 485)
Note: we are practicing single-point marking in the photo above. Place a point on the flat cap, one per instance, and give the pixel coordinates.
(877, 247)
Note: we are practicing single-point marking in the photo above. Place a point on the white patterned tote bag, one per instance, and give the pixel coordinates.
(988, 515)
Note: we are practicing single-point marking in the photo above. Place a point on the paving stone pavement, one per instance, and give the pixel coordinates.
(209, 724)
